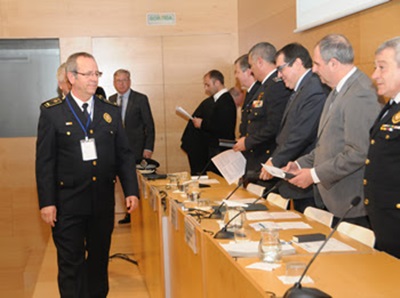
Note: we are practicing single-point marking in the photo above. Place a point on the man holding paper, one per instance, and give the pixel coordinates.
(298, 130)
(336, 165)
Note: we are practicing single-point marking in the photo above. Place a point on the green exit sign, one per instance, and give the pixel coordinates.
(163, 18)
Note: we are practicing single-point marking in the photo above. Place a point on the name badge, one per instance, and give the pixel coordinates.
(88, 147)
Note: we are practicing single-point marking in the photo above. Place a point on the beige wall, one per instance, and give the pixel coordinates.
(274, 21)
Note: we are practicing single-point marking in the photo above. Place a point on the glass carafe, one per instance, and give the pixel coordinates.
(269, 248)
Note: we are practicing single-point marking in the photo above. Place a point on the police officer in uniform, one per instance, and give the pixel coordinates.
(81, 148)
(381, 183)
(265, 110)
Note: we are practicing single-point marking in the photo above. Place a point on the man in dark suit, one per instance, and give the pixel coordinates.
(336, 165)
(381, 183)
(81, 148)
(298, 130)
(136, 118)
(221, 120)
(265, 111)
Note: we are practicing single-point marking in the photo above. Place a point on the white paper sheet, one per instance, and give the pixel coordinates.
(231, 164)
(183, 112)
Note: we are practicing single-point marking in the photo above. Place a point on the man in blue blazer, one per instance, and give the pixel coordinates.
(298, 130)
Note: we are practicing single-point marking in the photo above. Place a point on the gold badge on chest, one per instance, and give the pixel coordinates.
(107, 117)
(258, 103)
(396, 118)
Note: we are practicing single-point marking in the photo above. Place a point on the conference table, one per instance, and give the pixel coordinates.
(179, 256)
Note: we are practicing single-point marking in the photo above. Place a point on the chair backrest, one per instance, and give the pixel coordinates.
(358, 233)
(256, 189)
(319, 215)
(278, 200)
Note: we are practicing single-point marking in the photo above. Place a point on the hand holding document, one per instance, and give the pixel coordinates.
(183, 112)
(231, 164)
(277, 172)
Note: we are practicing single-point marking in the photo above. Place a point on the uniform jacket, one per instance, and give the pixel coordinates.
(63, 179)
(341, 149)
(264, 120)
(139, 124)
(382, 183)
(246, 108)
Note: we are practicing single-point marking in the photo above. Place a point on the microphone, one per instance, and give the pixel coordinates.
(217, 213)
(204, 169)
(297, 291)
(224, 233)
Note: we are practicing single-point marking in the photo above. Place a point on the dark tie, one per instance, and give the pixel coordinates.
(85, 111)
(385, 109)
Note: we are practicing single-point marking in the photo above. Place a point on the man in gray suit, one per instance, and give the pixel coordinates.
(336, 165)
(136, 118)
(298, 131)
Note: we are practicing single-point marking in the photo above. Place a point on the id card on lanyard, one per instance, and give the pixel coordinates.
(88, 146)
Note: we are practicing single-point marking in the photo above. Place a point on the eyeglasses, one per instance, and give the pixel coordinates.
(97, 74)
(280, 68)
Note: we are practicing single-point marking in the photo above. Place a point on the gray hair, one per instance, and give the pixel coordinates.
(336, 46)
(71, 65)
(394, 44)
(243, 62)
(264, 50)
(122, 71)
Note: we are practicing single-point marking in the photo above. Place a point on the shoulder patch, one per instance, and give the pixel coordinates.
(52, 102)
(106, 100)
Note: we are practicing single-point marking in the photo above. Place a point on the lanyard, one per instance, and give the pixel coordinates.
(84, 128)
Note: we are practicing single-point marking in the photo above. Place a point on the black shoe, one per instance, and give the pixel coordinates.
(125, 220)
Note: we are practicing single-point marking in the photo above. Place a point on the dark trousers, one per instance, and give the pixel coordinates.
(83, 246)
(360, 221)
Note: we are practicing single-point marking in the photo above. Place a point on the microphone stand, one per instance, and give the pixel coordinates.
(217, 213)
(297, 291)
(224, 233)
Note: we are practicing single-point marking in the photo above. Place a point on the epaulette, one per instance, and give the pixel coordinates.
(52, 102)
(101, 97)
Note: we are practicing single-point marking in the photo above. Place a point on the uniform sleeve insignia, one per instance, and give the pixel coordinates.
(106, 100)
(396, 118)
(52, 102)
(107, 117)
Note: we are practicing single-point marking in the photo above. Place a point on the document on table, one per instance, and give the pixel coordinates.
(258, 226)
(332, 245)
(249, 249)
(262, 215)
(231, 164)
(183, 112)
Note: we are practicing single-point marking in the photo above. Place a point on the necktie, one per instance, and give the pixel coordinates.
(333, 96)
(85, 111)
(385, 109)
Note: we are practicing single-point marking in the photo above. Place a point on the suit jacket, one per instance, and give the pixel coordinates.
(139, 124)
(381, 184)
(298, 130)
(264, 120)
(74, 186)
(342, 145)
(195, 141)
(246, 108)
(220, 123)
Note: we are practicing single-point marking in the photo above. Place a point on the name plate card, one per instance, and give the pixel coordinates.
(190, 232)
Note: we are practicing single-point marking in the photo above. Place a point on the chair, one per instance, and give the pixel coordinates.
(278, 200)
(319, 215)
(359, 233)
(256, 189)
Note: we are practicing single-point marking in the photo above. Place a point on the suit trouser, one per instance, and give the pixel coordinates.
(83, 245)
